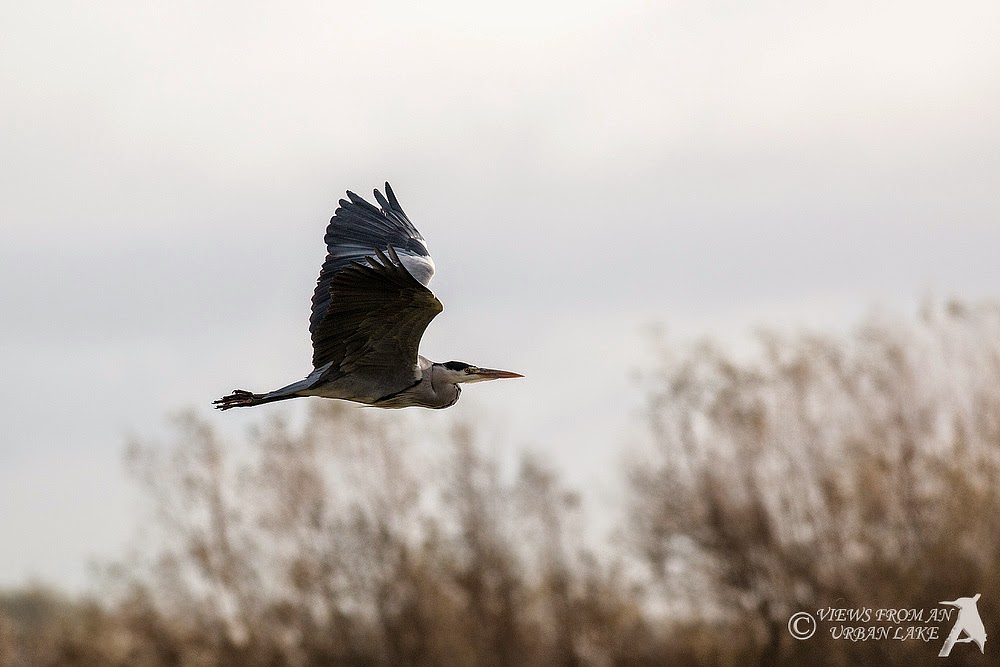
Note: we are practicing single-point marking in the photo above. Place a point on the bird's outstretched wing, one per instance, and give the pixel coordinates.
(357, 232)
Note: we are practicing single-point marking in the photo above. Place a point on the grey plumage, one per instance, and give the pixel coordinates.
(370, 308)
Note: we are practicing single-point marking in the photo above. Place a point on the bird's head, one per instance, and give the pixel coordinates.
(458, 372)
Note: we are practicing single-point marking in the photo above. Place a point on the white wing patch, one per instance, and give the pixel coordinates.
(420, 267)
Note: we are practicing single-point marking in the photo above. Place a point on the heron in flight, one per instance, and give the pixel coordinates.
(369, 310)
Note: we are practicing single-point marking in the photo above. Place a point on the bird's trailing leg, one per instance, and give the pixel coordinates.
(241, 398)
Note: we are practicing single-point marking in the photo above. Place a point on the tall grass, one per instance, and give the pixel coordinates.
(846, 471)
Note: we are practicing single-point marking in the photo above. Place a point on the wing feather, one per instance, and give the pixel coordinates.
(371, 304)
(356, 231)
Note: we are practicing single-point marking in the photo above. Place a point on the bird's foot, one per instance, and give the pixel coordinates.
(238, 399)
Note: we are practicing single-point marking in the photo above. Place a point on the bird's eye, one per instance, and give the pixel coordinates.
(470, 370)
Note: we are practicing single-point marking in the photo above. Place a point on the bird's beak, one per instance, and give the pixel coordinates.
(493, 374)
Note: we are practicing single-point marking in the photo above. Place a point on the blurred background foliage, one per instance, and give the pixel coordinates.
(854, 470)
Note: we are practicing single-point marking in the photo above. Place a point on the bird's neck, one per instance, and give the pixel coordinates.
(442, 384)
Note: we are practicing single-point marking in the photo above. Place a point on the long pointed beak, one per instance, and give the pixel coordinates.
(493, 374)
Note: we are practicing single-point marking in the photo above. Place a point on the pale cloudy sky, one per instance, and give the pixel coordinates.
(579, 169)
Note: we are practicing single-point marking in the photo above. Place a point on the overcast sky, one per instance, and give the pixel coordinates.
(579, 169)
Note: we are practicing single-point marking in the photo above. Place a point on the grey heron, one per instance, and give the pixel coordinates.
(369, 310)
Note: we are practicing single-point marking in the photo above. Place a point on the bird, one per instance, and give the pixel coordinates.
(370, 309)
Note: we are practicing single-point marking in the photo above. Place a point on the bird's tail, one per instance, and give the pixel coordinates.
(241, 398)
